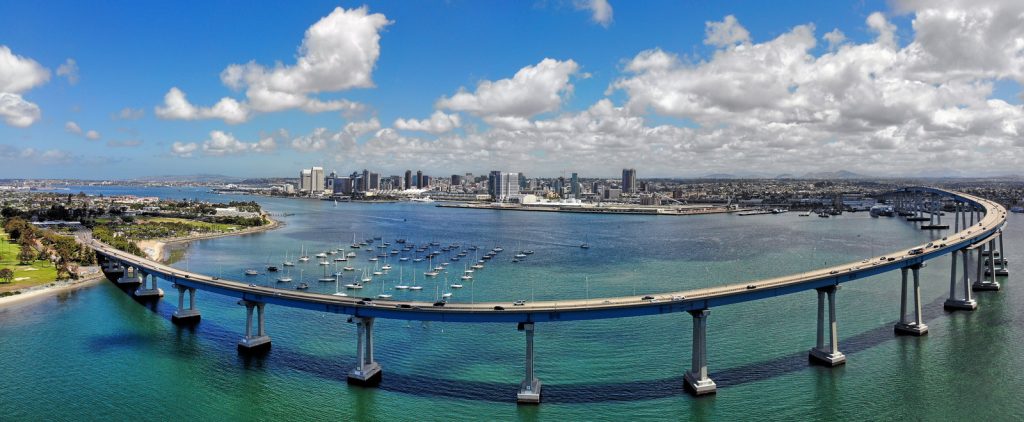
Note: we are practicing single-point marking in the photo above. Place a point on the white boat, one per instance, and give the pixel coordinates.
(401, 272)
(303, 257)
(383, 295)
(414, 285)
(321, 255)
(425, 199)
(446, 295)
(286, 262)
(456, 286)
(348, 268)
(366, 277)
(477, 266)
(373, 259)
(466, 277)
(353, 286)
(350, 255)
(251, 272)
(403, 259)
(336, 291)
(386, 267)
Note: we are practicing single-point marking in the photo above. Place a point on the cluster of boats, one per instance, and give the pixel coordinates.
(380, 252)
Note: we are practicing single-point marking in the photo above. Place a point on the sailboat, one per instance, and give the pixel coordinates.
(286, 262)
(336, 291)
(401, 273)
(326, 277)
(414, 285)
(383, 295)
(355, 245)
(302, 285)
(303, 257)
(287, 278)
(366, 277)
(446, 294)
(377, 272)
(585, 244)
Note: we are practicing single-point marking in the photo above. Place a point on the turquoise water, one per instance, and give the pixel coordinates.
(96, 353)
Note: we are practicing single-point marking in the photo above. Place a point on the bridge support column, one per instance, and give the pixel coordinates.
(152, 291)
(254, 343)
(367, 371)
(130, 276)
(1002, 271)
(915, 327)
(696, 380)
(956, 217)
(529, 389)
(827, 356)
(986, 280)
(966, 303)
(183, 315)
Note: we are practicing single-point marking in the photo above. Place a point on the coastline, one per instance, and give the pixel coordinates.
(94, 276)
(38, 292)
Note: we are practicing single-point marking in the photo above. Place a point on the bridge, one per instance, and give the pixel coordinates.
(976, 236)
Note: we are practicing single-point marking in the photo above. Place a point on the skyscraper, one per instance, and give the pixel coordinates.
(456, 180)
(419, 179)
(629, 181)
(493, 179)
(305, 180)
(408, 179)
(574, 188)
(374, 182)
(316, 180)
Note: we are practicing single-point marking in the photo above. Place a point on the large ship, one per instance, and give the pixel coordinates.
(882, 210)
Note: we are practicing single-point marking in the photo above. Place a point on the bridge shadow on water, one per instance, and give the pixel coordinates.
(335, 368)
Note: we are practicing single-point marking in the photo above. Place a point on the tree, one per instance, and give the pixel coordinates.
(6, 275)
(26, 255)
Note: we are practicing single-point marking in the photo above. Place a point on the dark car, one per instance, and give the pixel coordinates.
(499, 308)
(439, 303)
(648, 297)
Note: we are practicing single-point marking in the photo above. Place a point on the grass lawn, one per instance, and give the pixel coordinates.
(39, 272)
(201, 225)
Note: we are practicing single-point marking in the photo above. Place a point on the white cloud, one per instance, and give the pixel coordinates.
(184, 150)
(17, 75)
(725, 33)
(338, 52)
(834, 38)
(69, 70)
(176, 106)
(357, 129)
(92, 135)
(601, 10)
(532, 90)
(438, 123)
(72, 127)
(129, 113)
(223, 143)
(886, 31)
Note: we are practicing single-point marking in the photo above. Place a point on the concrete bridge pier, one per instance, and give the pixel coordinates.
(906, 326)
(1002, 270)
(696, 380)
(183, 315)
(956, 217)
(827, 356)
(130, 276)
(986, 279)
(152, 291)
(254, 343)
(529, 389)
(367, 372)
(966, 303)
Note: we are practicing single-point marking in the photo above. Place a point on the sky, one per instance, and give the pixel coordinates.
(680, 88)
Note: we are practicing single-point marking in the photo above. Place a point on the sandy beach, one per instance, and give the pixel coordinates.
(154, 249)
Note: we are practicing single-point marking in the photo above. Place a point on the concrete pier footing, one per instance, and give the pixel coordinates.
(529, 388)
(185, 315)
(148, 290)
(367, 371)
(696, 380)
(821, 354)
(260, 341)
(906, 326)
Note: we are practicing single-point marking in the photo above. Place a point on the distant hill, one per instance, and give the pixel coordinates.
(194, 178)
(786, 176)
(841, 174)
(718, 176)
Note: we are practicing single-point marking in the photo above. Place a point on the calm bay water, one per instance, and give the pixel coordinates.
(96, 353)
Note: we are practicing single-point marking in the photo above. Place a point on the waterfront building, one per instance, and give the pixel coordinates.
(373, 182)
(343, 186)
(522, 181)
(629, 181)
(408, 179)
(305, 180)
(456, 180)
(492, 183)
(506, 186)
(419, 179)
(612, 194)
(426, 182)
(316, 180)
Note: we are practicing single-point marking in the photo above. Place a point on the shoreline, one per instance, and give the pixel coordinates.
(596, 210)
(95, 276)
(41, 291)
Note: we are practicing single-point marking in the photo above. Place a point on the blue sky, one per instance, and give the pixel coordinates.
(130, 54)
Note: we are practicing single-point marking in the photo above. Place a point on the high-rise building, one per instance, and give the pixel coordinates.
(374, 182)
(522, 181)
(493, 178)
(426, 181)
(456, 180)
(317, 180)
(419, 179)
(408, 179)
(305, 180)
(629, 181)
(574, 186)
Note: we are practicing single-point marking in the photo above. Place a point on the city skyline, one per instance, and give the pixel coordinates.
(894, 89)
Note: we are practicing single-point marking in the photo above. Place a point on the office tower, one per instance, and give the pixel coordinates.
(419, 179)
(456, 180)
(408, 179)
(316, 180)
(574, 185)
(629, 181)
(493, 179)
(305, 180)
